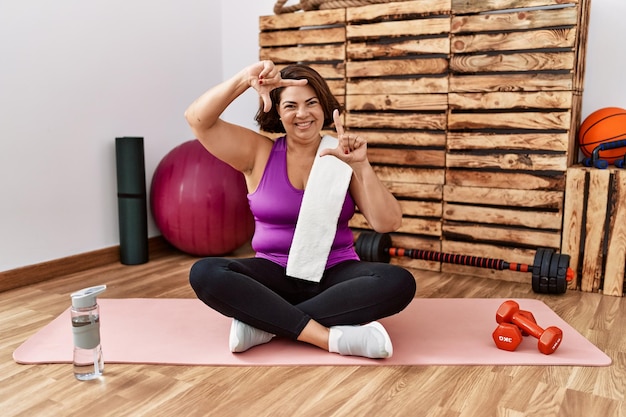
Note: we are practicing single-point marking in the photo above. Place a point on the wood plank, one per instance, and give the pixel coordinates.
(386, 68)
(427, 121)
(510, 120)
(509, 235)
(614, 275)
(298, 20)
(422, 208)
(511, 41)
(555, 142)
(529, 19)
(333, 52)
(302, 37)
(411, 175)
(594, 230)
(400, 48)
(512, 100)
(504, 197)
(471, 6)
(511, 82)
(522, 181)
(408, 157)
(416, 226)
(523, 61)
(509, 161)
(413, 85)
(415, 190)
(502, 216)
(417, 27)
(400, 102)
(402, 137)
(573, 218)
(395, 10)
(329, 70)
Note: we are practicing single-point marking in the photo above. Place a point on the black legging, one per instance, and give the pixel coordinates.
(257, 292)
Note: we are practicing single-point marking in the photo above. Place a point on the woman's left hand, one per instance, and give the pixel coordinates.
(351, 148)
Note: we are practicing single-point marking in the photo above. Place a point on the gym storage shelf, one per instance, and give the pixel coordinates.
(470, 109)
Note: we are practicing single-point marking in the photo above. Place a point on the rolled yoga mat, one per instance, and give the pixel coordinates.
(431, 331)
(132, 200)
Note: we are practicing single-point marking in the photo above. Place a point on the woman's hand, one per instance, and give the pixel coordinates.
(265, 77)
(351, 148)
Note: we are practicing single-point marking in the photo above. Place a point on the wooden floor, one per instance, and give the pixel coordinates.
(140, 390)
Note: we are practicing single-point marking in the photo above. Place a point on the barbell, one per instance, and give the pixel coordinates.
(550, 270)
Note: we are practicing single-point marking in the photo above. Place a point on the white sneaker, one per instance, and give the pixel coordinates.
(243, 337)
(370, 340)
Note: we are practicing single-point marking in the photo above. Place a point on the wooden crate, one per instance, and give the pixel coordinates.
(594, 229)
(316, 38)
(470, 109)
(513, 72)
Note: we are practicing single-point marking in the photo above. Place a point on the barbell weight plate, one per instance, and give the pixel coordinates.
(561, 276)
(536, 277)
(553, 274)
(545, 271)
(384, 243)
(366, 246)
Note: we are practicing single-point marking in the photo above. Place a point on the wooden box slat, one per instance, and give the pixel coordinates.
(531, 19)
(549, 200)
(399, 48)
(400, 102)
(410, 175)
(300, 37)
(393, 10)
(312, 53)
(510, 161)
(414, 85)
(494, 215)
(498, 180)
(407, 120)
(523, 61)
(472, 6)
(511, 82)
(539, 39)
(404, 137)
(556, 142)
(298, 20)
(509, 235)
(511, 100)
(417, 27)
(408, 157)
(386, 68)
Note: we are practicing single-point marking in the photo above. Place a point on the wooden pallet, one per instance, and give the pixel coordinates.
(470, 110)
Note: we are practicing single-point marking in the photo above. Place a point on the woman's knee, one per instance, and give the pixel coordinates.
(203, 271)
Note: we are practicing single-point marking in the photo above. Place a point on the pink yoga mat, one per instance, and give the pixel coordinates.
(442, 331)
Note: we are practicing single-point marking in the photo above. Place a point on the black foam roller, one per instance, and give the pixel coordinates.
(132, 200)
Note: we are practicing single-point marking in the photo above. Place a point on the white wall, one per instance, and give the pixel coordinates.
(75, 74)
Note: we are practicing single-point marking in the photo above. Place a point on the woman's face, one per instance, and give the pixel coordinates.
(301, 113)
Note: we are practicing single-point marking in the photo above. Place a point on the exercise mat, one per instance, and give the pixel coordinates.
(431, 331)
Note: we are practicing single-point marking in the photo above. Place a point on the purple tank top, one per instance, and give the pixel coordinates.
(275, 205)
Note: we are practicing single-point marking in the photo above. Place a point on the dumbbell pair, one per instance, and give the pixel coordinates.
(514, 323)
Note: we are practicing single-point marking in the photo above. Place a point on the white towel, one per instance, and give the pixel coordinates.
(316, 228)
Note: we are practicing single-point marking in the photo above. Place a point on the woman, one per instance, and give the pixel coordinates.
(337, 314)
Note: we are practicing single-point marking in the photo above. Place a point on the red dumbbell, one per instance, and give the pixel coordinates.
(508, 336)
(548, 339)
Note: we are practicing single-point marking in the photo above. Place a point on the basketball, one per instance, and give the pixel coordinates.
(603, 126)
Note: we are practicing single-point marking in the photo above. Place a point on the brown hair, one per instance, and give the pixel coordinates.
(270, 121)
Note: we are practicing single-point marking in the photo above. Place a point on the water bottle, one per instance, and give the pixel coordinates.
(85, 313)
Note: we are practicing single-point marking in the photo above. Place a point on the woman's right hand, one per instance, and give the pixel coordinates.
(264, 77)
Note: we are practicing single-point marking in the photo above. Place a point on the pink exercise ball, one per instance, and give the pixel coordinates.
(199, 203)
